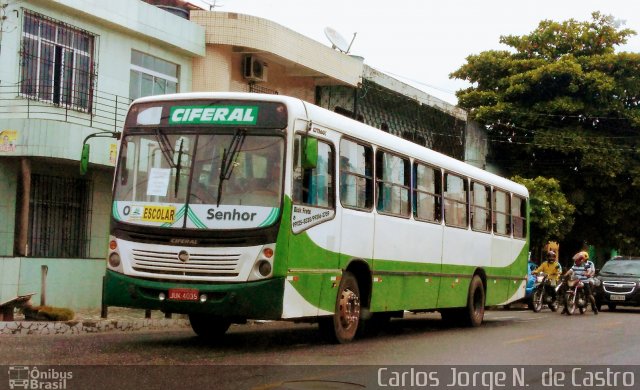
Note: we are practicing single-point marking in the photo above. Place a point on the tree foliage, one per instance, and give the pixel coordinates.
(551, 216)
(562, 103)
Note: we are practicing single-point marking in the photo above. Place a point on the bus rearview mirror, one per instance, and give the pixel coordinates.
(309, 153)
(84, 159)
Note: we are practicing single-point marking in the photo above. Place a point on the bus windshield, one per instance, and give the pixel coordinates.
(201, 180)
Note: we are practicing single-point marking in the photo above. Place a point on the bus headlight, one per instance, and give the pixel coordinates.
(114, 260)
(263, 265)
(264, 268)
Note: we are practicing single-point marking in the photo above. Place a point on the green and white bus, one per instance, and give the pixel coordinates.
(237, 206)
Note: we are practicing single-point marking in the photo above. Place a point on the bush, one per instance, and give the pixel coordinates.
(48, 313)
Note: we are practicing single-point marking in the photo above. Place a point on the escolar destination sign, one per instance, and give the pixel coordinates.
(219, 115)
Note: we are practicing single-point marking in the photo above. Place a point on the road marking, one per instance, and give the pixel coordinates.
(529, 338)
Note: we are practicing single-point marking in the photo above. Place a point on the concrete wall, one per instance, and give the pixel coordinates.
(8, 186)
(221, 70)
(251, 34)
(72, 283)
(476, 145)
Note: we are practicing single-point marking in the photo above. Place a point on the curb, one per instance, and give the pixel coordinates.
(87, 326)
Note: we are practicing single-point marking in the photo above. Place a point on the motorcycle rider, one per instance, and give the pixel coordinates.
(553, 270)
(584, 269)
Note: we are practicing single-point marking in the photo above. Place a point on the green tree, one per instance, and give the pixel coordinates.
(551, 215)
(563, 103)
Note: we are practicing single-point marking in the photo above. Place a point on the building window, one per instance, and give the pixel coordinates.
(60, 216)
(151, 76)
(57, 62)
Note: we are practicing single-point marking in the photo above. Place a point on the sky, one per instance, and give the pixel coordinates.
(420, 42)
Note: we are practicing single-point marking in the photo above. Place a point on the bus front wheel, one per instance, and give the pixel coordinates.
(346, 317)
(209, 326)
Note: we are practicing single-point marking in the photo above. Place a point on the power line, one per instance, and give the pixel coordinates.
(421, 83)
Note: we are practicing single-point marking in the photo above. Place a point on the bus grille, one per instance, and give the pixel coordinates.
(204, 265)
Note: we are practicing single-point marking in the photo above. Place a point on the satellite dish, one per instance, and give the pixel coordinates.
(337, 40)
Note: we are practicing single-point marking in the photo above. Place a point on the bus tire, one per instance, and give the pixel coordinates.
(474, 312)
(346, 317)
(209, 326)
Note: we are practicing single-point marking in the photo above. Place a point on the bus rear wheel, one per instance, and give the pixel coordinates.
(209, 326)
(346, 317)
(474, 312)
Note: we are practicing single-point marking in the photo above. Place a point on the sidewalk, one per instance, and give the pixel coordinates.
(89, 321)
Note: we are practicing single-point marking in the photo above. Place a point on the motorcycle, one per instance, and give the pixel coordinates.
(541, 295)
(561, 289)
(575, 296)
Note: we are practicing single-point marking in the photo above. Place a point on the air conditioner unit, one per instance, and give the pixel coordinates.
(254, 70)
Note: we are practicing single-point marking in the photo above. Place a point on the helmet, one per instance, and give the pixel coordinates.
(582, 255)
(551, 255)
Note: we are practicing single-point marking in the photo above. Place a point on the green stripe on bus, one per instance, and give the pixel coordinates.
(178, 216)
(397, 292)
(196, 221)
(116, 214)
(271, 218)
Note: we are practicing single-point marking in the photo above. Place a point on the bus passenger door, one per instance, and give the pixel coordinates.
(315, 232)
(355, 203)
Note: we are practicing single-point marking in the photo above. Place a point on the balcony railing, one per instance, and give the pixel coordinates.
(106, 110)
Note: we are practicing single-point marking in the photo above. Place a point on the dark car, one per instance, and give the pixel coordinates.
(619, 282)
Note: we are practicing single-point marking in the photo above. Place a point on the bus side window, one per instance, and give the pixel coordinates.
(480, 207)
(501, 213)
(314, 186)
(393, 181)
(519, 215)
(455, 200)
(356, 178)
(427, 193)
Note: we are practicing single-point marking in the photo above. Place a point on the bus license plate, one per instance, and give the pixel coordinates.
(617, 297)
(183, 294)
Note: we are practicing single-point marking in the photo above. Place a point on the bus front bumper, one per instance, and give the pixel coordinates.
(250, 300)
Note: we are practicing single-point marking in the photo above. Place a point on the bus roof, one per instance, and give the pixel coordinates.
(401, 146)
(358, 130)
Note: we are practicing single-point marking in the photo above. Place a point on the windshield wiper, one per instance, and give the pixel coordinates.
(168, 153)
(228, 159)
(176, 184)
(165, 147)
